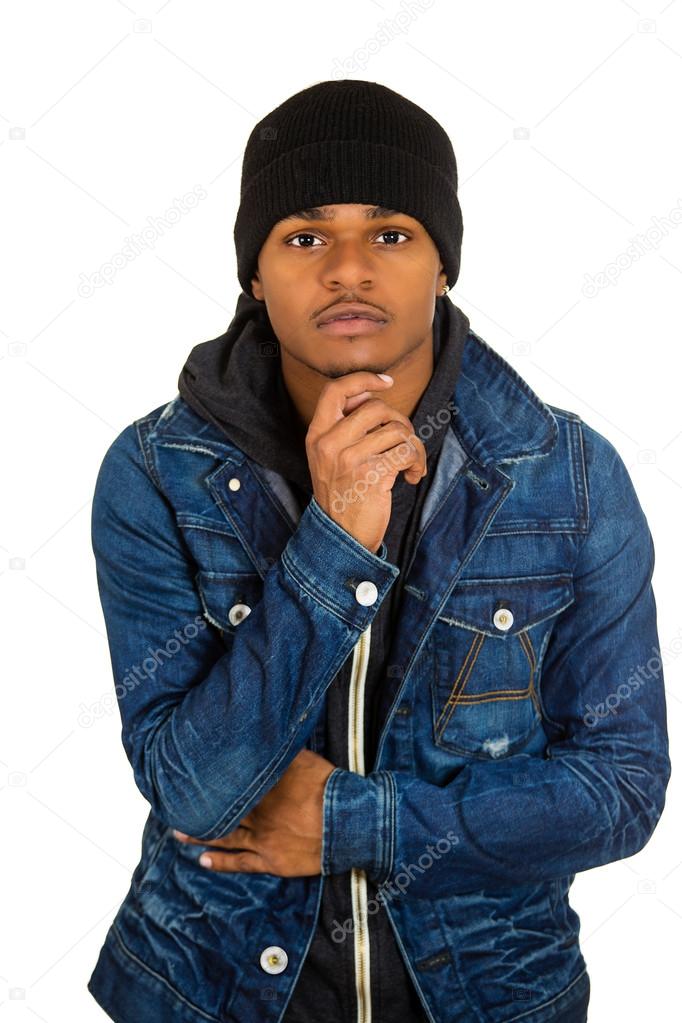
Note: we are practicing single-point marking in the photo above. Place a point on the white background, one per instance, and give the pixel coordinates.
(565, 119)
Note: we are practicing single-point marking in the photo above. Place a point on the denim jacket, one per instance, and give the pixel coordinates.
(524, 731)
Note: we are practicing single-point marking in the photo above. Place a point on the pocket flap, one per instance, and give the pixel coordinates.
(228, 597)
(479, 604)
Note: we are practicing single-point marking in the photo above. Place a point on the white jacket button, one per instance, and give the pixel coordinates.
(234, 483)
(237, 612)
(274, 959)
(366, 593)
(503, 619)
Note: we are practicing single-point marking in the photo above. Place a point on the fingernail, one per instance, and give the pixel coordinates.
(179, 834)
(205, 860)
(385, 376)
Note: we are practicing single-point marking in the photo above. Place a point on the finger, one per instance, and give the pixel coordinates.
(232, 862)
(240, 837)
(372, 418)
(377, 442)
(182, 837)
(355, 402)
(393, 450)
(373, 415)
(410, 458)
(412, 476)
(335, 393)
(418, 469)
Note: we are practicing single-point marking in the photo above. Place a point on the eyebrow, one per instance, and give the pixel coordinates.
(321, 213)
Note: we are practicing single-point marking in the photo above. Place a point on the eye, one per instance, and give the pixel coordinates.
(302, 235)
(394, 231)
(306, 234)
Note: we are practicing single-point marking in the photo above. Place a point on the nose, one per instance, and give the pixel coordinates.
(349, 264)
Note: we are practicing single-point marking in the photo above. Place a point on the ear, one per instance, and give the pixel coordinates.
(257, 287)
(442, 279)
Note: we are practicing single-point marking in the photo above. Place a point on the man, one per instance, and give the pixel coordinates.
(367, 597)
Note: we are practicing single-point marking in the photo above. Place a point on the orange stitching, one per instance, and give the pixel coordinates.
(457, 695)
(460, 676)
(492, 697)
(530, 654)
(451, 702)
(454, 686)
(524, 639)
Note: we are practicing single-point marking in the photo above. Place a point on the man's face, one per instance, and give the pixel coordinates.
(364, 254)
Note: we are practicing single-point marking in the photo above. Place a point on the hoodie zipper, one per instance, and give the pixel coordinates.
(358, 878)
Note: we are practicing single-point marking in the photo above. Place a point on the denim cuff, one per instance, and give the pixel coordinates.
(337, 570)
(358, 824)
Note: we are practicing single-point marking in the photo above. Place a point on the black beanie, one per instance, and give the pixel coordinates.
(347, 141)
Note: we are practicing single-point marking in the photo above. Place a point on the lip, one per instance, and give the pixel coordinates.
(357, 309)
(358, 325)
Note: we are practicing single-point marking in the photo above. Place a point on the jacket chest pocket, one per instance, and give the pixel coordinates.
(228, 597)
(485, 646)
